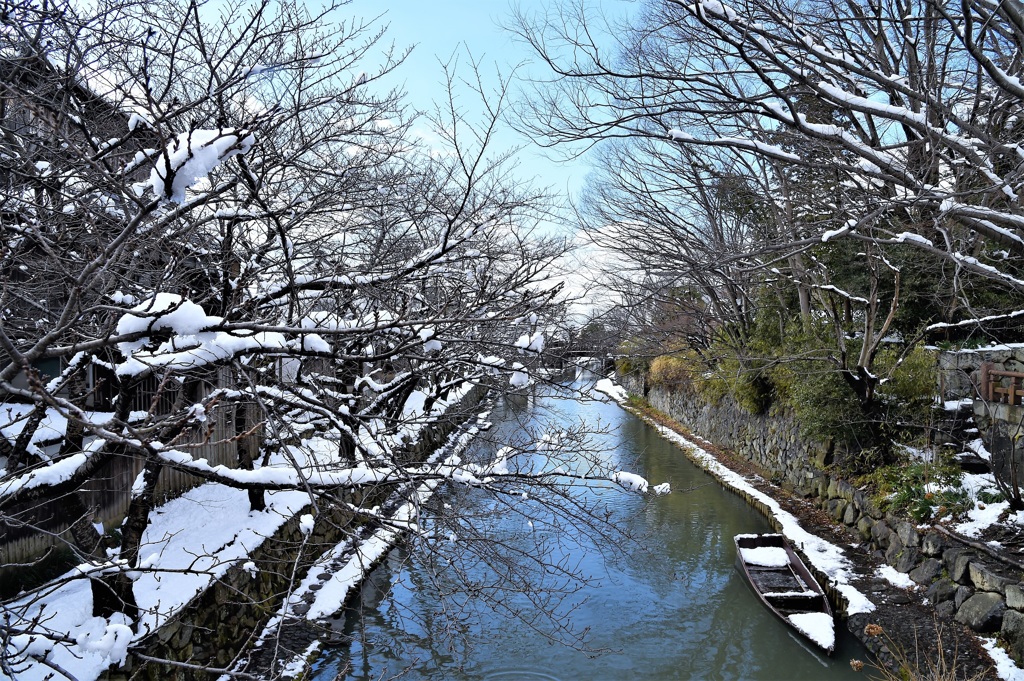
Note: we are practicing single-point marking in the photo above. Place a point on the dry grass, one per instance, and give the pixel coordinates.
(916, 665)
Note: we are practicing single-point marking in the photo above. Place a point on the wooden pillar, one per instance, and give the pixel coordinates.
(985, 382)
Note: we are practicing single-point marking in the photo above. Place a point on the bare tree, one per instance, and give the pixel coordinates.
(217, 241)
(865, 154)
(909, 108)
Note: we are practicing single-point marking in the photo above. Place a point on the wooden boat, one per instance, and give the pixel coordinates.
(786, 586)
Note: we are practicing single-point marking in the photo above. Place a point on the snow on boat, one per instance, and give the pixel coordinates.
(786, 586)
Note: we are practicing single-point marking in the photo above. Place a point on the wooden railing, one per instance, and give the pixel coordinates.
(997, 385)
(109, 491)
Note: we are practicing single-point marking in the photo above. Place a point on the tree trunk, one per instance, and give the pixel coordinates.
(74, 436)
(796, 265)
(346, 441)
(114, 593)
(257, 500)
(83, 532)
(18, 457)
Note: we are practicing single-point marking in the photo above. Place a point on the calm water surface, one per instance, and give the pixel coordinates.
(671, 607)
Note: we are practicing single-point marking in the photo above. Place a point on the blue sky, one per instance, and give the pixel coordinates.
(438, 29)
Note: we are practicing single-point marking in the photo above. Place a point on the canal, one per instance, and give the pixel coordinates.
(669, 605)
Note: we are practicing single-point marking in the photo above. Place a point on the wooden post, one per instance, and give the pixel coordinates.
(985, 382)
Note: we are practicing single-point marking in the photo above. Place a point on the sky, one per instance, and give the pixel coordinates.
(472, 29)
(438, 29)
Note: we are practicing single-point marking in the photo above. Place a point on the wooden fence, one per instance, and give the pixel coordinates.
(997, 385)
(108, 493)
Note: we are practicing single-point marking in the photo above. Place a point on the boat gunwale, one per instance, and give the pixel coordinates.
(796, 565)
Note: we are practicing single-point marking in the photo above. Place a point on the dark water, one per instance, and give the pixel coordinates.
(671, 606)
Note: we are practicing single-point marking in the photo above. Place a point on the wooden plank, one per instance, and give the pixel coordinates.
(1006, 374)
(109, 492)
(985, 381)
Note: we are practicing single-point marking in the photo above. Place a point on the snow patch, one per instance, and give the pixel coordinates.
(519, 378)
(612, 390)
(192, 156)
(630, 481)
(816, 626)
(895, 577)
(1006, 668)
(765, 556)
(528, 343)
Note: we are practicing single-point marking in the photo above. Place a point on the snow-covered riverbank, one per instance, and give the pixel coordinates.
(191, 544)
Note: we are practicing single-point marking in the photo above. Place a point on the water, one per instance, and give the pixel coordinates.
(672, 606)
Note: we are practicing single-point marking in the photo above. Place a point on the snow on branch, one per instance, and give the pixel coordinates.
(193, 155)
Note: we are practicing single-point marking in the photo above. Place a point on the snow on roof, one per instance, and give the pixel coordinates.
(191, 541)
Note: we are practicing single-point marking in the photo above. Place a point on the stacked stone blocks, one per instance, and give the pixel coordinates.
(961, 582)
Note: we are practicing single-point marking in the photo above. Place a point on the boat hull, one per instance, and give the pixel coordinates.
(786, 587)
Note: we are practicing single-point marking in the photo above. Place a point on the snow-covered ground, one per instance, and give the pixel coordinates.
(191, 541)
(1006, 668)
(612, 390)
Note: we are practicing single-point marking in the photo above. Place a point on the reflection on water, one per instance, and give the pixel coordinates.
(670, 607)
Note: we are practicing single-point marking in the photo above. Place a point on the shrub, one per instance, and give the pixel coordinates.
(711, 386)
(909, 390)
(753, 392)
(627, 366)
(825, 406)
(671, 370)
(990, 496)
(630, 359)
(921, 489)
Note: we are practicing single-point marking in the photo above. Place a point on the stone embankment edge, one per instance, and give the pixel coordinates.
(982, 589)
(691, 450)
(220, 623)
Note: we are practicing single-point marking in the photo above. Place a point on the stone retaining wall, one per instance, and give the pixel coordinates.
(962, 582)
(220, 623)
(771, 441)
